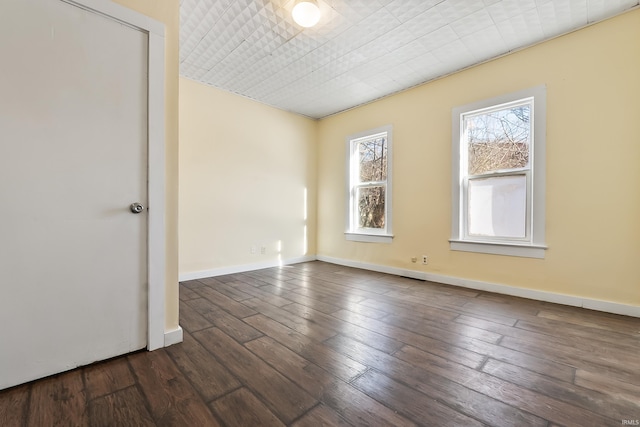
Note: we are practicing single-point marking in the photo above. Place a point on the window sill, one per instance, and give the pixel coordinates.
(508, 249)
(369, 238)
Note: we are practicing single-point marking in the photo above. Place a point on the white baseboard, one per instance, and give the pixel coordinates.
(183, 277)
(611, 307)
(591, 304)
(173, 336)
(374, 267)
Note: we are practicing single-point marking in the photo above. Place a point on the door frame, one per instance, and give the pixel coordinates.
(156, 242)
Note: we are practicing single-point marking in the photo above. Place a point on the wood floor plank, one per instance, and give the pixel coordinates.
(410, 403)
(559, 329)
(556, 336)
(329, 295)
(613, 387)
(419, 311)
(508, 307)
(282, 283)
(172, 400)
(192, 284)
(322, 344)
(122, 408)
(225, 303)
(258, 292)
(377, 313)
(190, 319)
(58, 400)
(467, 351)
(574, 395)
(419, 375)
(256, 279)
(316, 287)
(394, 306)
(283, 397)
(339, 365)
(307, 375)
(278, 287)
(225, 278)
(596, 320)
(242, 408)
(359, 409)
(354, 285)
(277, 273)
(441, 348)
(401, 282)
(211, 281)
(107, 377)
(14, 404)
(321, 416)
(209, 377)
(187, 294)
(435, 299)
(417, 325)
(231, 325)
(508, 393)
(510, 300)
(566, 354)
(297, 323)
(374, 339)
(417, 305)
(292, 297)
(231, 292)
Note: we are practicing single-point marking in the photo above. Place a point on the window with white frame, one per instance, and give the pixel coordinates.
(499, 175)
(369, 186)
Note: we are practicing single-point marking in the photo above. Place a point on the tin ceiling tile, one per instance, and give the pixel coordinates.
(361, 49)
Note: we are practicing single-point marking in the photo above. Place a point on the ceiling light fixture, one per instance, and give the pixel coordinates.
(306, 13)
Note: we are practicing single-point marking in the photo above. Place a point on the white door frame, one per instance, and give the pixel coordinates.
(156, 242)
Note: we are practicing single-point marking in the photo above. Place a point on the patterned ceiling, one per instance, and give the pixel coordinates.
(361, 50)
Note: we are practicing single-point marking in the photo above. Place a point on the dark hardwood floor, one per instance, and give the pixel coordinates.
(318, 344)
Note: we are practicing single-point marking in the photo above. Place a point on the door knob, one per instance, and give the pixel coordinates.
(136, 208)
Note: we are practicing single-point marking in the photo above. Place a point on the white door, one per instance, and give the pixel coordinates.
(73, 157)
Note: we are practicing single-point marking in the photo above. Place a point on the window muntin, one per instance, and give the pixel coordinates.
(498, 157)
(369, 191)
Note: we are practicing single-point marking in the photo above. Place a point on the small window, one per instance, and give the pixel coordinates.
(498, 183)
(369, 186)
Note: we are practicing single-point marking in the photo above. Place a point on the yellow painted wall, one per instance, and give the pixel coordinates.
(593, 172)
(244, 171)
(168, 12)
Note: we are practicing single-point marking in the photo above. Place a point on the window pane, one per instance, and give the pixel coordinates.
(371, 207)
(373, 159)
(498, 140)
(497, 206)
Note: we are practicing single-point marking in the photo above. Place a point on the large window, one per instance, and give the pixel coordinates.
(498, 182)
(369, 186)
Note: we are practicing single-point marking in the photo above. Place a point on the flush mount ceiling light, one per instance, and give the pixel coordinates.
(306, 13)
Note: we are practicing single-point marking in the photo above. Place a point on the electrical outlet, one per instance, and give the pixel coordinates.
(263, 250)
(414, 259)
(424, 260)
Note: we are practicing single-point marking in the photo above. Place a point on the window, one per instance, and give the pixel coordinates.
(499, 175)
(369, 186)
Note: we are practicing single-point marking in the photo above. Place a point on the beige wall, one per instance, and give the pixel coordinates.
(244, 171)
(167, 12)
(593, 150)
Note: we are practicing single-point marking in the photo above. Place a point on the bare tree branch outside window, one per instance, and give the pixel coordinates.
(373, 175)
(499, 140)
